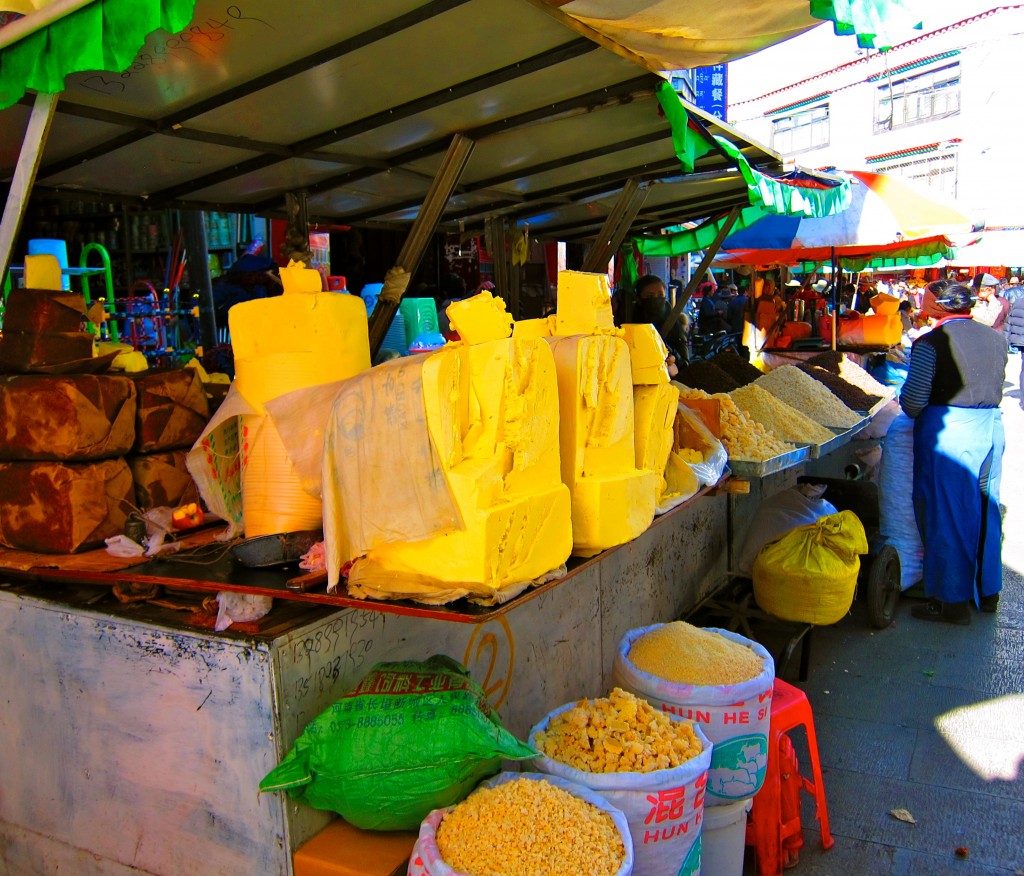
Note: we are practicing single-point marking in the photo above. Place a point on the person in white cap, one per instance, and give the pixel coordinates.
(991, 308)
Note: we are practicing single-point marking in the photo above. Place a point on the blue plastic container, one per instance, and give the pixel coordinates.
(58, 248)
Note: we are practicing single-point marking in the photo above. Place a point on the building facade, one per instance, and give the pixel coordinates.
(942, 109)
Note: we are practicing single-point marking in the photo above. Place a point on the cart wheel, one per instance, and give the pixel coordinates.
(883, 590)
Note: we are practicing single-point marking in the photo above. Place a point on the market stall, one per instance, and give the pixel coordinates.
(164, 727)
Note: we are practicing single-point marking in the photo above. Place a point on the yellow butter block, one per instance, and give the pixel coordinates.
(43, 272)
(584, 304)
(282, 344)
(325, 332)
(492, 414)
(297, 279)
(480, 318)
(654, 414)
(647, 353)
(343, 850)
(532, 328)
(510, 543)
(607, 511)
(612, 500)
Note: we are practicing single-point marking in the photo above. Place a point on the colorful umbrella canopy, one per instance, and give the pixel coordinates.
(920, 252)
(883, 210)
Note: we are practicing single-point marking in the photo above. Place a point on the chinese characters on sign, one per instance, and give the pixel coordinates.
(711, 89)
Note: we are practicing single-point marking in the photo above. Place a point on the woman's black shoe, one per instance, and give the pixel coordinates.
(989, 603)
(947, 612)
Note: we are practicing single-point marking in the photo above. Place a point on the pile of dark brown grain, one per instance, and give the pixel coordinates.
(736, 367)
(852, 396)
(707, 376)
(830, 361)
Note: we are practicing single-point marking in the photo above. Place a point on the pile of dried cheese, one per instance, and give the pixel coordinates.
(743, 437)
(685, 654)
(779, 418)
(618, 734)
(531, 828)
(800, 391)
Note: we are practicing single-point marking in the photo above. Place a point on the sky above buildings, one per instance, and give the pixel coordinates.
(820, 49)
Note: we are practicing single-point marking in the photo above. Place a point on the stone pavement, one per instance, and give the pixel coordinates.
(929, 718)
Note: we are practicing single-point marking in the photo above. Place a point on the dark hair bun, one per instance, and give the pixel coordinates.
(956, 299)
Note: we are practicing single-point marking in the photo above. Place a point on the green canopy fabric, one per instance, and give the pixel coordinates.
(877, 24)
(929, 254)
(766, 194)
(105, 35)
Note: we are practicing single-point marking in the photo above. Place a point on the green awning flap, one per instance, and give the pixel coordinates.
(698, 238)
(926, 257)
(877, 24)
(104, 35)
(767, 195)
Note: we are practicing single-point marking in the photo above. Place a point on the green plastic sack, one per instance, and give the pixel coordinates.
(411, 737)
(810, 573)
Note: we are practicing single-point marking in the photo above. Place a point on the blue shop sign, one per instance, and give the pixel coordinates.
(711, 89)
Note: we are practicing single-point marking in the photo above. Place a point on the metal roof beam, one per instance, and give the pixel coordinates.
(602, 98)
(521, 173)
(144, 128)
(541, 61)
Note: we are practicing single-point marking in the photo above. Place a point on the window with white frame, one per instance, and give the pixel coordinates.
(800, 130)
(936, 171)
(910, 100)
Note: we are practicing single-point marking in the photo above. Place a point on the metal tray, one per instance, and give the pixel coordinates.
(816, 451)
(275, 550)
(746, 469)
(853, 430)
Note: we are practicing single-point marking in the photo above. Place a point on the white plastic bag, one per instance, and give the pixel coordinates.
(241, 607)
(896, 507)
(426, 859)
(664, 808)
(710, 471)
(779, 514)
(122, 546)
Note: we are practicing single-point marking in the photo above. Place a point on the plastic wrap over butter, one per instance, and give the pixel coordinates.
(488, 442)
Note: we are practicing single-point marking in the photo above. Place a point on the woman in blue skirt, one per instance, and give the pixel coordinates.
(953, 391)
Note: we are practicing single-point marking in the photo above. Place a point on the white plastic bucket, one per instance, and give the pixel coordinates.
(724, 837)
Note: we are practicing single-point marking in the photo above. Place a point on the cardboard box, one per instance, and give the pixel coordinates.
(343, 850)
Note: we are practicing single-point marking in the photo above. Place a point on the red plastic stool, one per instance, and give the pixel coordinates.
(773, 827)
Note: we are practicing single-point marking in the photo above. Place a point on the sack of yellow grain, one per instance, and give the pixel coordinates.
(528, 824)
(651, 765)
(809, 574)
(719, 680)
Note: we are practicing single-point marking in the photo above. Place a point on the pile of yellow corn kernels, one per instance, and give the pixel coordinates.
(529, 827)
(618, 734)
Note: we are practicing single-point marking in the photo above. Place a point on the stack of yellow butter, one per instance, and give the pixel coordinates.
(491, 409)
(613, 495)
(655, 405)
(302, 338)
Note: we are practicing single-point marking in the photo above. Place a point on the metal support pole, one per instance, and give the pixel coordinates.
(835, 302)
(496, 235)
(423, 228)
(24, 178)
(709, 256)
(197, 259)
(616, 226)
